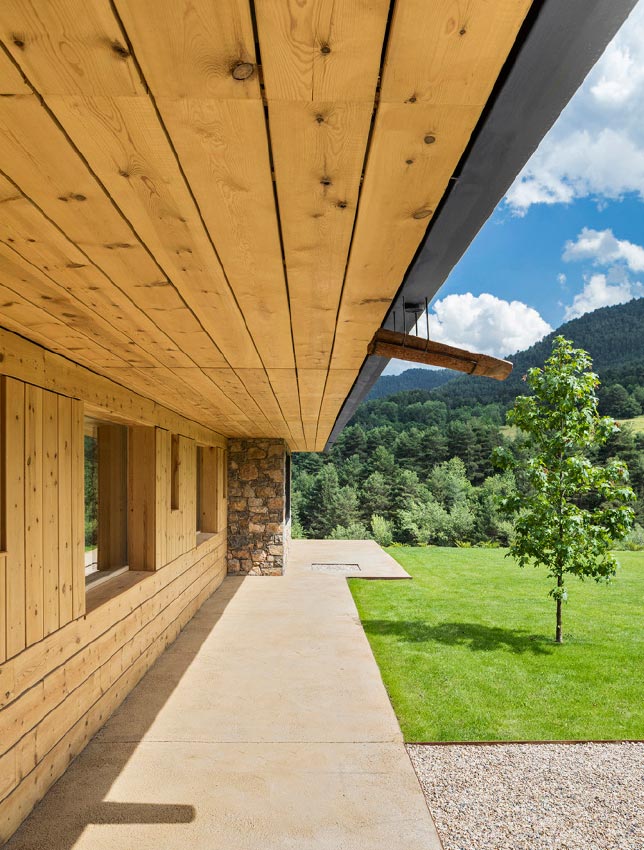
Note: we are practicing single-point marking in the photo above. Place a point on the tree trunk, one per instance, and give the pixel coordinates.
(559, 633)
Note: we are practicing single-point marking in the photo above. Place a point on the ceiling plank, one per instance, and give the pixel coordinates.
(39, 160)
(38, 242)
(68, 47)
(321, 50)
(318, 151)
(320, 65)
(11, 80)
(405, 180)
(192, 46)
(127, 149)
(448, 53)
(217, 126)
(223, 150)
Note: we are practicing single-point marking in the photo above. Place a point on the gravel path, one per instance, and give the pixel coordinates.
(535, 797)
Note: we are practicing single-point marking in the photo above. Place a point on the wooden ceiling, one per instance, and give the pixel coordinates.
(213, 202)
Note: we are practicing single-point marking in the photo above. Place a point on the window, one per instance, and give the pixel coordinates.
(106, 497)
(175, 466)
(208, 491)
(120, 472)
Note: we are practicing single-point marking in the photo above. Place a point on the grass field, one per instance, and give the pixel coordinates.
(636, 424)
(466, 649)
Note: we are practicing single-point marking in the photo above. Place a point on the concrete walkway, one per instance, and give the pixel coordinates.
(265, 725)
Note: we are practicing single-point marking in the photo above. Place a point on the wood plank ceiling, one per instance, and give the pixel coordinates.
(220, 232)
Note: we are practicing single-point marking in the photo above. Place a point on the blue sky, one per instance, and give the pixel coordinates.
(569, 235)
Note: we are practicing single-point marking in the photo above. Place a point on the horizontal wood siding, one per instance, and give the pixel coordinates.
(59, 692)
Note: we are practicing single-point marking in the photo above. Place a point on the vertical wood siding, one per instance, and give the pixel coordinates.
(43, 567)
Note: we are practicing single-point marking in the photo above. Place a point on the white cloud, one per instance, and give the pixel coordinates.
(596, 148)
(599, 291)
(482, 323)
(485, 323)
(604, 249)
(561, 279)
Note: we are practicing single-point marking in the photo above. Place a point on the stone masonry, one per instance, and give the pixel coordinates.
(258, 528)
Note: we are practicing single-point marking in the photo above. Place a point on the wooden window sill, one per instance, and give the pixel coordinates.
(100, 592)
(204, 536)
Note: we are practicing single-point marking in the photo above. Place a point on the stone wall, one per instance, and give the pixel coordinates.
(258, 531)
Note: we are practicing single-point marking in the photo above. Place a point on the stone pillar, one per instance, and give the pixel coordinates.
(259, 522)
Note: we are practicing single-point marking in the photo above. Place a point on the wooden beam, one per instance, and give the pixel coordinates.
(418, 350)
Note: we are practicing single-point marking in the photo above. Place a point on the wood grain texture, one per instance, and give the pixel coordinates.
(141, 498)
(65, 575)
(34, 364)
(14, 465)
(386, 343)
(34, 586)
(11, 80)
(193, 46)
(51, 557)
(68, 47)
(223, 150)
(404, 182)
(321, 50)
(449, 53)
(126, 147)
(3, 606)
(78, 509)
(318, 150)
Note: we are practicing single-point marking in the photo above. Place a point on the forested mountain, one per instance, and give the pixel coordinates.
(411, 379)
(415, 466)
(614, 337)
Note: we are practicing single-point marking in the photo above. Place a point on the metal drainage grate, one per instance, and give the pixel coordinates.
(335, 569)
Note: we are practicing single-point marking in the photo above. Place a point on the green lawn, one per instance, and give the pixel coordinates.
(636, 424)
(466, 649)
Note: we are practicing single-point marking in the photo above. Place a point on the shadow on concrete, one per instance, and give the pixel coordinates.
(77, 799)
(473, 636)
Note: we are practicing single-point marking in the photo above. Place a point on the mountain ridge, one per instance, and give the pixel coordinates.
(614, 337)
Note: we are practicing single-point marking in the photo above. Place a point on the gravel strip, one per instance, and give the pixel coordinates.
(534, 796)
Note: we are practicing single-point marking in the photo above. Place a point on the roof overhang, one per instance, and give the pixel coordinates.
(557, 47)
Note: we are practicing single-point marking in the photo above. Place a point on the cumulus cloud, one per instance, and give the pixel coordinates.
(485, 323)
(602, 248)
(482, 323)
(599, 291)
(596, 148)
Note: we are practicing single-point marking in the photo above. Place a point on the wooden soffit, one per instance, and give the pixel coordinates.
(213, 202)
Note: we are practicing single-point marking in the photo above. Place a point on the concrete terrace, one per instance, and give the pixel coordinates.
(265, 725)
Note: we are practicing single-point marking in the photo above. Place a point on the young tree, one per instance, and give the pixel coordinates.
(562, 425)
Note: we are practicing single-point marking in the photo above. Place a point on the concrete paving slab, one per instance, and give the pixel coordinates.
(265, 725)
(371, 561)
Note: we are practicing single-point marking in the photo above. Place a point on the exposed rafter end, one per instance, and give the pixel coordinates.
(387, 343)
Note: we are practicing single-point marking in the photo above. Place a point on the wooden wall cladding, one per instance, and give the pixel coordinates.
(44, 586)
(55, 695)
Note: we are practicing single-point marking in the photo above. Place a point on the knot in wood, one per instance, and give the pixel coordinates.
(243, 71)
(121, 51)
